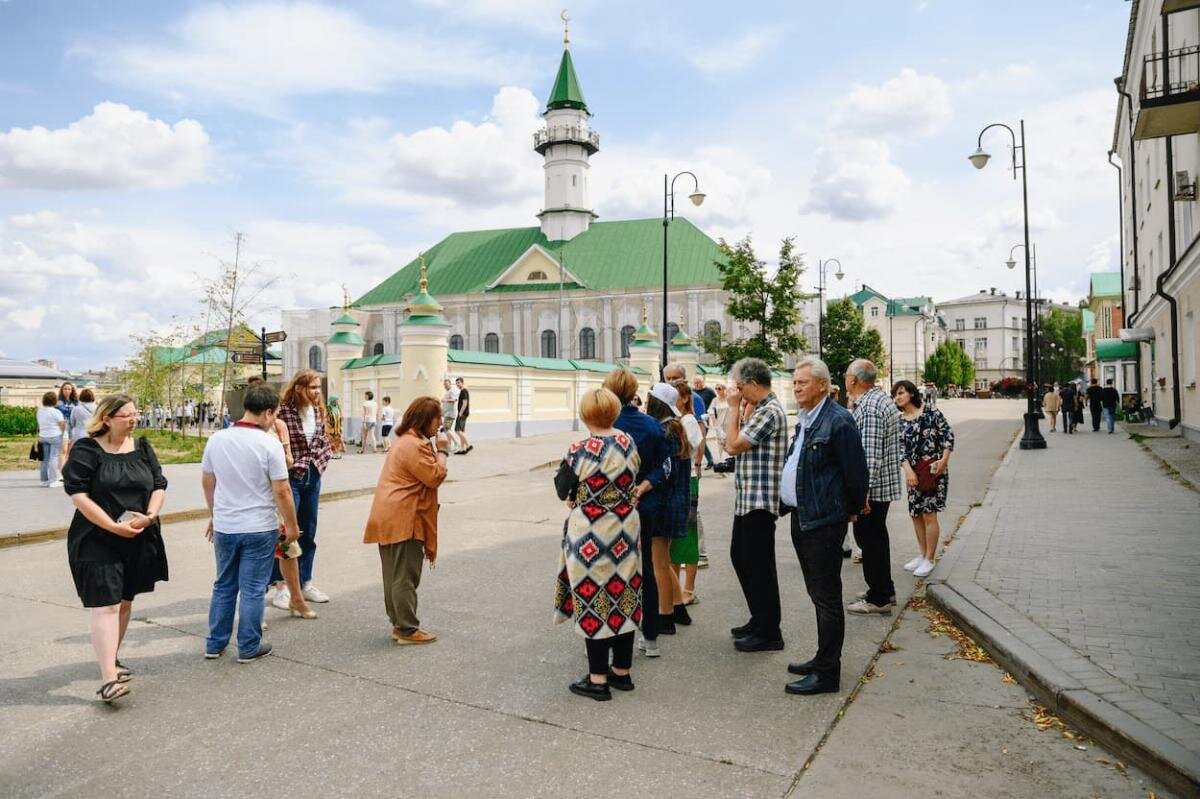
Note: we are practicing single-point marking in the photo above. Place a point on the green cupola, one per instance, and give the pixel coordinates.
(566, 92)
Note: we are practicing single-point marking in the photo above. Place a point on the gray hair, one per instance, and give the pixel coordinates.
(863, 370)
(682, 369)
(818, 368)
(752, 370)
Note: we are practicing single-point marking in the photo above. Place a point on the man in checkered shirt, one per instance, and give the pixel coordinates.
(757, 436)
(879, 423)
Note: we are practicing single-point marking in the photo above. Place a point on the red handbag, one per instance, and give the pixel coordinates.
(926, 479)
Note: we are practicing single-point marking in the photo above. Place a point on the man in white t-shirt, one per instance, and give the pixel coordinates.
(450, 413)
(245, 481)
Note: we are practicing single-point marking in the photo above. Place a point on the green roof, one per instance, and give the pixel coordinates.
(483, 358)
(1106, 284)
(1113, 349)
(386, 359)
(534, 287)
(345, 319)
(1089, 320)
(344, 337)
(865, 293)
(608, 255)
(566, 92)
(554, 364)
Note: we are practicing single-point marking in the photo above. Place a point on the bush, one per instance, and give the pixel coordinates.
(18, 421)
(1009, 387)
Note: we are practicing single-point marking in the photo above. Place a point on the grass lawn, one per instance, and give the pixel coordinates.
(170, 448)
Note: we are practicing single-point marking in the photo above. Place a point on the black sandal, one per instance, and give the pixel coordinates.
(123, 674)
(112, 691)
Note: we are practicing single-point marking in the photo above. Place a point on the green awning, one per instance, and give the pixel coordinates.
(1113, 349)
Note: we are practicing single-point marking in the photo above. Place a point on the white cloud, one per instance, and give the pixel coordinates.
(28, 318)
(733, 56)
(255, 56)
(114, 147)
(856, 180)
(910, 104)
(539, 15)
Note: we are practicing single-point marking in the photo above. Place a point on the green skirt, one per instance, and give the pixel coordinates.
(686, 550)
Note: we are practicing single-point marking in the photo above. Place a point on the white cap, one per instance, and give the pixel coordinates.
(666, 394)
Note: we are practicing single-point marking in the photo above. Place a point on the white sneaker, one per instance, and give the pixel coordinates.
(650, 648)
(923, 569)
(314, 594)
(55, 484)
(282, 599)
(913, 564)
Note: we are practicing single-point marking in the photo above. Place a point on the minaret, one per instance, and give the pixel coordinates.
(566, 142)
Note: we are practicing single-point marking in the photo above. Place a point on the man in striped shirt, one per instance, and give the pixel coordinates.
(879, 423)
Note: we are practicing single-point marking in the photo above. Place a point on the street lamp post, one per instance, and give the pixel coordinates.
(1032, 438)
(1035, 322)
(839, 274)
(697, 197)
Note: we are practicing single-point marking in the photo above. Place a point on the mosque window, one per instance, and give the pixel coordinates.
(491, 343)
(314, 357)
(626, 337)
(549, 344)
(377, 349)
(456, 342)
(587, 343)
(672, 329)
(537, 274)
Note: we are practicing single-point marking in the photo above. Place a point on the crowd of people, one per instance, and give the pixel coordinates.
(632, 539)
(1071, 399)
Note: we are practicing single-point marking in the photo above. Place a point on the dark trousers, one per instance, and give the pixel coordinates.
(708, 458)
(820, 554)
(871, 533)
(649, 584)
(752, 551)
(306, 493)
(1095, 412)
(621, 647)
(401, 563)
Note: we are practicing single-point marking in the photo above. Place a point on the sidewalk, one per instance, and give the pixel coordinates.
(35, 513)
(1078, 574)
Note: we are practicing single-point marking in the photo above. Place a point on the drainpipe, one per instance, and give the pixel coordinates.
(1166, 273)
(1133, 227)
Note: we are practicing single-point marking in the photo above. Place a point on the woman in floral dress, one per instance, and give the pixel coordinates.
(926, 443)
(599, 575)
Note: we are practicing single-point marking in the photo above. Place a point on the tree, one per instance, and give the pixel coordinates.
(769, 301)
(949, 365)
(1064, 360)
(847, 338)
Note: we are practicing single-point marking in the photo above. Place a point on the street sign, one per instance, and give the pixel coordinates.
(247, 357)
(276, 337)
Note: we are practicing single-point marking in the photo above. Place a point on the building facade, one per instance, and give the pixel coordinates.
(910, 327)
(1107, 356)
(990, 326)
(1156, 137)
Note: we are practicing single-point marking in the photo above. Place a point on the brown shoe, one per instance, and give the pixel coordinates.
(417, 637)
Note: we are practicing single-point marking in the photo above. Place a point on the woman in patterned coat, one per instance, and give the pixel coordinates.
(599, 575)
(926, 442)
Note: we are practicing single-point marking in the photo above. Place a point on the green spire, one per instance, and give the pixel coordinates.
(566, 92)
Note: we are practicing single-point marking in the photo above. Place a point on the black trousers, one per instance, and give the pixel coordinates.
(621, 647)
(752, 551)
(820, 554)
(1095, 412)
(871, 533)
(649, 584)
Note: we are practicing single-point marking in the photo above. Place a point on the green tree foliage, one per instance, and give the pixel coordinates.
(1064, 361)
(949, 365)
(768, 302)
(847, 338)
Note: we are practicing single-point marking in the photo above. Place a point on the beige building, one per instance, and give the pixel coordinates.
(910, 327)
(1156, 137)
(23, 383)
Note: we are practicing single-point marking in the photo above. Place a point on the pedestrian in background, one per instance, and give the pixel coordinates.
(1067, 396)
(403, 518)
(756, 435)
(927, 441)
(685, 551)
(599, 572)
(716, 418)
(387, 420)
(68, 399)
(673, 508)
(450, 413)
(1095, 402)
(81, 416)
(824, 483)
(245, 480)
(464, 410)
(370, 418)
(707, 398)
(1109, 400)
(1051, 402)
(878, 422)
(334, 427)
(114, 545)
(51, 426)
(651, 479)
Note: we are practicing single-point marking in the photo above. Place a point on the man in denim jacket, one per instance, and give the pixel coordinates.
(824, 485)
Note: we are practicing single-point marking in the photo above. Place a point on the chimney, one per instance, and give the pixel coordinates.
(983, 291)
(993, 291)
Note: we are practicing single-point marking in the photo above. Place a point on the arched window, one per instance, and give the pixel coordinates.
(377, 349)
(712, 329)
(672, 329)
(549, 344)
(314, 357)
(626, 337)
(491, 343)
(537, 274)
(456, 342)
(587, 344)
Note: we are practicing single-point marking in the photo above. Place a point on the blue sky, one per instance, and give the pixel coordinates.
(136, 137)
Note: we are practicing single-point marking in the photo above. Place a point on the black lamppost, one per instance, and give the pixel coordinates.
(1035, 323)
(697, 197)
(839, 274)
(1032, 438)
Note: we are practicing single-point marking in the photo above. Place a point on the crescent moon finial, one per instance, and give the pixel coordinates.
(566, 28)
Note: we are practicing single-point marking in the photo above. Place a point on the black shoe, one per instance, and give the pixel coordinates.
(743, 631)
(585, 687)
(812, 684)
(756, 643)
(666, 624)
(708, 467)
(803, 669)
(622, 682)
(681, 616)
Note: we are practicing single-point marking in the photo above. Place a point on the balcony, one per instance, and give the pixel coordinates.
(566, 134)
(1170, 95)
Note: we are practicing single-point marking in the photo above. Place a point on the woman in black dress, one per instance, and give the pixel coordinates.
(114, 545)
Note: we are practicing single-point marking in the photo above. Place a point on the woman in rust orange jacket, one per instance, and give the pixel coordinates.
(403, 519)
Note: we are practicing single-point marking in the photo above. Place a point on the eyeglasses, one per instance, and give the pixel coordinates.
(133, 415)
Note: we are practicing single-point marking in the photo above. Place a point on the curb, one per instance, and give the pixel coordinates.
(1059, 677)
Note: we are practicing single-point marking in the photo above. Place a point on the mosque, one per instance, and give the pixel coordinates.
(573, 287)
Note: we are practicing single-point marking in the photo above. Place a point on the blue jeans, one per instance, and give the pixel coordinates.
(1110, 419)
(306, 493)
(48, 468)
(243, 567)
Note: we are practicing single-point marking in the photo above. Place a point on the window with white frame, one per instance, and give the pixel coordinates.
(960, 324)
(980, 322)
(981, 343)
